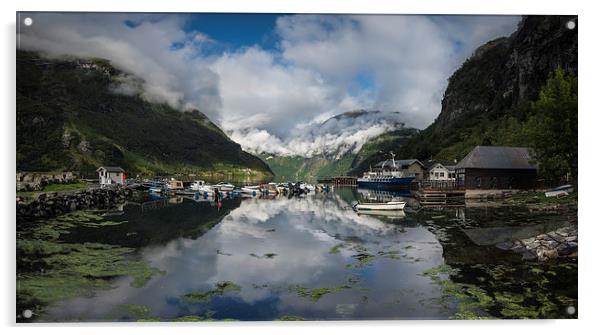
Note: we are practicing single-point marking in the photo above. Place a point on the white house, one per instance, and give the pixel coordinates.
(111, 175)
(439, 171)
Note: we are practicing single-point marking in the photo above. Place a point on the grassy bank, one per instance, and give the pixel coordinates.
(81, 185)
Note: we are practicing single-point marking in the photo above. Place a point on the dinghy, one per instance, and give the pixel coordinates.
(381, 206)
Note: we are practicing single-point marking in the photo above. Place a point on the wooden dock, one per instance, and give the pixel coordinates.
(440, 193)
(339, 180)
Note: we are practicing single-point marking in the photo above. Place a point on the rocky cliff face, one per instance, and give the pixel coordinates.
(508, 71)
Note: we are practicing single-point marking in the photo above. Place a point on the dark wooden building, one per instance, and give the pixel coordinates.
(490, 167)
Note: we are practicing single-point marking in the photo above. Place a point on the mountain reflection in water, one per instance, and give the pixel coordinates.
(310, 257)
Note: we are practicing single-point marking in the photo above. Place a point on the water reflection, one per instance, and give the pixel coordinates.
(302, 233)
(311, 257)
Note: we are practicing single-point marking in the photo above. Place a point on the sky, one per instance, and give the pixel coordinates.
(270, 81)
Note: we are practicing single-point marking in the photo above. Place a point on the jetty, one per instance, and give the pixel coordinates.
(338, 180)
(440, 193)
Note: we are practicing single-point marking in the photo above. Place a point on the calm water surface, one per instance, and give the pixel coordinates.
(314, 258)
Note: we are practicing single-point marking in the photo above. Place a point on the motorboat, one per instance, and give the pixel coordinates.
(201, 186)
(224, 187)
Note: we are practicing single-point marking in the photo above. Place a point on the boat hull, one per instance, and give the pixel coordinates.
(390, 184)
(387, 206)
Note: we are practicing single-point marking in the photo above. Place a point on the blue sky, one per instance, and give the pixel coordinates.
(237, 30)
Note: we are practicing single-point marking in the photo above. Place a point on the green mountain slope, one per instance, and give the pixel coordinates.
(488, 99)
(294, 168)
(68, 118)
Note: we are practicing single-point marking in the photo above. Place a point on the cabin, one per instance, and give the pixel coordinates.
(174, 184)
(111, 175)
(493, 167)
(409, 167)
(440, 171)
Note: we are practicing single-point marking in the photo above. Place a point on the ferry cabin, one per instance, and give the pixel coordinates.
(407, 167)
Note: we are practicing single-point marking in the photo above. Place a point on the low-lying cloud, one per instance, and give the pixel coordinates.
(276, 100)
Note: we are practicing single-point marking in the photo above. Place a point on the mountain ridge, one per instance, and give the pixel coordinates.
(70, 117)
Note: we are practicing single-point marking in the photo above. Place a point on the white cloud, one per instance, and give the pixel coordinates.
(275, 100)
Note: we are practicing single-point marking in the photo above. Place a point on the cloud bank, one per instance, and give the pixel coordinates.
(276, 100)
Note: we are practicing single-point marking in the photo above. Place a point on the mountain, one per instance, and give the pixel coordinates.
(345, 141)
(71, 116)
(488, 99)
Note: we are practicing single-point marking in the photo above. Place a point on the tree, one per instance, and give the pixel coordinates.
(552, 127)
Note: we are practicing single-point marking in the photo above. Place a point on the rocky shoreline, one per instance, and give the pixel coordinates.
(48, 205)
(561, 242)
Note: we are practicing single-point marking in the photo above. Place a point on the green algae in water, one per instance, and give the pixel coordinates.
(77, 270)
(317, 293)
(221, 288)
(50, 270)
(336, 249)
(136, 310)
(512, 292)
(362, 259)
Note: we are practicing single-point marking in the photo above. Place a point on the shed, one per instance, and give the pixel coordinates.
(493, 167)
(108, 175)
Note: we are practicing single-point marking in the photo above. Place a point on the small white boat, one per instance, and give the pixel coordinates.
(224, 187)
(250, 190)
(308, 187)
(560, 191)
(381, 206)
(201, 186)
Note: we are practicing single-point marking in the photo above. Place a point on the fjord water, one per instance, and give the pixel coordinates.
(314, 258)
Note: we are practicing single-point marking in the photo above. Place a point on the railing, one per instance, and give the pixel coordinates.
(441, 185)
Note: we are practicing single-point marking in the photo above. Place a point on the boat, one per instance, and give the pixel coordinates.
(559, 191)
(224, 187)
(201, 186)
(155, 187)
(252, 190)
(385, 178)
(174, 185)
(307, 187)
(380, 206)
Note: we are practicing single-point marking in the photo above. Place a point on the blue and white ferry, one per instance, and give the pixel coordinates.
(391, 178)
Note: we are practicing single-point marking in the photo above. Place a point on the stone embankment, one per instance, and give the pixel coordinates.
(52, 204)
(558, 243)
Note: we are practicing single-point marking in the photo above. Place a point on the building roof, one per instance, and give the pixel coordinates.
(446, 164)
(491, 157)
(111, 169)
(398, 163)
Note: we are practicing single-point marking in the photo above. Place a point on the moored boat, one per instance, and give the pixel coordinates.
(380, 206)
(201, 186)
(224, 187)
(385, 178)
